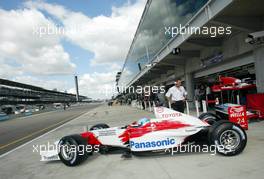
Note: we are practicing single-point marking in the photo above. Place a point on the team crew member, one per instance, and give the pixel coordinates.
(176, 95)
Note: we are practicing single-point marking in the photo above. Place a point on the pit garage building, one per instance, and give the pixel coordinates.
(157, 56)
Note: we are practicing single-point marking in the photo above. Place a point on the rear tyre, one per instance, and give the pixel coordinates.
(99, 126)
(73, 150)
(229, 138)
(210, 118)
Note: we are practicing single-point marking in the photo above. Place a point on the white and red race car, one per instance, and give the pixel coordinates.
(168, 130)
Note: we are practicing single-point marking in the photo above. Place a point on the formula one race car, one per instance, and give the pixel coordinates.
(168, 130)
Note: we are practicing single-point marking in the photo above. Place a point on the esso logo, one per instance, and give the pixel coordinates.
(159, 110)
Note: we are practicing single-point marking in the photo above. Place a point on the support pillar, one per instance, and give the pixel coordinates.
(189, 83)
(259, 64)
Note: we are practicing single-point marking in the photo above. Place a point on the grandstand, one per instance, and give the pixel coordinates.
(12, 92)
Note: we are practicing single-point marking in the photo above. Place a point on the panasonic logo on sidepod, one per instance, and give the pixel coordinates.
(152, 144)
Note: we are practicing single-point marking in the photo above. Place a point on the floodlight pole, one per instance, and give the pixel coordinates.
(77, 88)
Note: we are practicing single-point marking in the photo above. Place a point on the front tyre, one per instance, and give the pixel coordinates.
(99, 126)
(72, 150)
(229, 138)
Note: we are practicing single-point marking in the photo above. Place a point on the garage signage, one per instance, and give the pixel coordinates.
(238, 114)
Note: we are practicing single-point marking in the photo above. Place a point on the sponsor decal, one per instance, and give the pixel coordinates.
(237, 110)
(107, 133)
(132, 132)
(152, 144)
(238, 114)
(171, 115)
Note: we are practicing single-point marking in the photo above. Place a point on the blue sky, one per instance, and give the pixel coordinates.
(89, 7)
(95, 53)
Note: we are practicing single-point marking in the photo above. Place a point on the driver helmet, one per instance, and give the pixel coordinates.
(143, 121)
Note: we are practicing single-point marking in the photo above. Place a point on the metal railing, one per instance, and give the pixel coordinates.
(149, 106)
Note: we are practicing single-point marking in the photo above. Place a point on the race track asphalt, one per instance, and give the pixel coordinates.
(24, 162)
(17, 131)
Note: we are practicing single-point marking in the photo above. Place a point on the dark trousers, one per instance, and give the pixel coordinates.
(178, 106)
(143, 105)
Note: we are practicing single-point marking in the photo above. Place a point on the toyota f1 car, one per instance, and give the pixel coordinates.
(167, 131)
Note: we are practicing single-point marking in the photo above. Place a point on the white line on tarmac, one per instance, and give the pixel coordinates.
(42, 135)
(34, 115)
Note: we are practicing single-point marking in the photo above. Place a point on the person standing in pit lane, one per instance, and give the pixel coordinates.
(176, 95)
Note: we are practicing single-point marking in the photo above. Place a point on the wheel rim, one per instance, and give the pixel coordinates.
(230, 139)
(67, 152)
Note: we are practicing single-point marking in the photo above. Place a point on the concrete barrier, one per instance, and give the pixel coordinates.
(3, 117)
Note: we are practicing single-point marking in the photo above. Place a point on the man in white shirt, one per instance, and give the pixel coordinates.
(176, 95)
